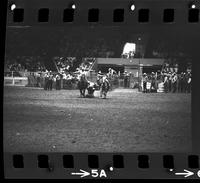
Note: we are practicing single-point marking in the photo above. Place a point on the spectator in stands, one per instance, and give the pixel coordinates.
(38, 84)
(50, 81)
(145, 78)
(58, 81)
(126, 79)
(169, 81)
(111, 76)
(174, 82)
(188, 82)
(153, 82)
(166, 83)
(46, 80)
(181, 82)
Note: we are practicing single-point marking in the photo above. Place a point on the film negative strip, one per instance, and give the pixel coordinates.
(101, 89)
(101, 166)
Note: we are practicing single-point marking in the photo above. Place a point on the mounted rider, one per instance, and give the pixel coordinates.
(82, 85)
(104, 87)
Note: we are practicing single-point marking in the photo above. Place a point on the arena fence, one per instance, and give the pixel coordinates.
(36, 79)
(15, 81)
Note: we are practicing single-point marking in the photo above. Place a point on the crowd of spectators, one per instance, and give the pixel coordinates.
(14, 67)
(64, 64)
(24, 64)
(168, 80)
(87, 64)
(91, 47)
(37, 71)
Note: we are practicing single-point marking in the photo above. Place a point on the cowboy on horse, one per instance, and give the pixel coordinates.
(104, 86)
(82, 85)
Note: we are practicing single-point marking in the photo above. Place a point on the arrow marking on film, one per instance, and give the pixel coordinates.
(187, 173)
(82, 173)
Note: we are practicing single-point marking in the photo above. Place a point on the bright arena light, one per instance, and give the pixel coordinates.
(73, 6)
(12, 7)
(193, 6)
(129, 48)
(132, 7)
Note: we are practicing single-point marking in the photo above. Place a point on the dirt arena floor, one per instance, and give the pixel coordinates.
(127, 121)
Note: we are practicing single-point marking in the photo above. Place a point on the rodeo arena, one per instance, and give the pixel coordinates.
(88, 77)
(95, 96)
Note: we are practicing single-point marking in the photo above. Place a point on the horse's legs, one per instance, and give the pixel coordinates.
(101, 92)
(104, 94)
(83, 92)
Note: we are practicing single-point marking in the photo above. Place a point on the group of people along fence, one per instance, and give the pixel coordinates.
(167, 82)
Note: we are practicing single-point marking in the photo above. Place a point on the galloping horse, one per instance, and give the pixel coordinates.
(104, 86)
(82, 85)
